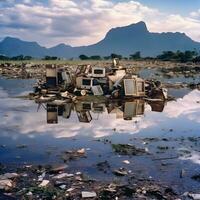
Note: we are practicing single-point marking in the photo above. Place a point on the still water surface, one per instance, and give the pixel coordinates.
(93, 126)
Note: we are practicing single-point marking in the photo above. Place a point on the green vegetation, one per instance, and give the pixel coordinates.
(20, 57)
(135, 56)
(51, 58)
(178, 56)
(95, 57)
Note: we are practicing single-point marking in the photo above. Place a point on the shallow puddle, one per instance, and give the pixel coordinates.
(41, 134)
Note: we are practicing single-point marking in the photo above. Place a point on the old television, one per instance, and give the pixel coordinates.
(140, 87)
(51, 76)
(98, 72)
(84, 82)
(134, 87)
(130, 87)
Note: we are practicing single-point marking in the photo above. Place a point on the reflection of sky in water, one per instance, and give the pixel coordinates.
(21, 124)
(182, 115)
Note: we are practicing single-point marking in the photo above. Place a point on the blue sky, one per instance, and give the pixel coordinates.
(82, 22)
(173, 6)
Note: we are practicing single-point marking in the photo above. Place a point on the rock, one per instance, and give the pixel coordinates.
(5, 184)
(44, 183)
(63, 175)
(88, 194)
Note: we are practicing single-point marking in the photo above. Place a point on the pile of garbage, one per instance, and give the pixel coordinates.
(115, 82)
(48, 182)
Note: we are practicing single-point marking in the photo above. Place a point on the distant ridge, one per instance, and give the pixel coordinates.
(121, 40)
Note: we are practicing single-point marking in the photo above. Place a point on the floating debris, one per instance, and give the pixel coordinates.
(88, 194)
(44, 183)
(127, 149)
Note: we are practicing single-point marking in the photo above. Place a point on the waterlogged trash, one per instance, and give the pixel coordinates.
(59, 168)
(8, 176)
(81, 151)
(44, 183)
(126, 162)
(127, 149)
(6, 184)
(41, 177)
(63, 187)
(97, 90)
(88, 194)
(194, 196)
(120, 172)
(63, 175)
(70, 189)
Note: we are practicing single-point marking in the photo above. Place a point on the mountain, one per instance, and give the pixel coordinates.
(13, 47)
(121, 40)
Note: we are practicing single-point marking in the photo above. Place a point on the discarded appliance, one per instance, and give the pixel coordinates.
(84, 83)
(97, 90)
(51, 76)
(134, 87)
(98, 72)
(116, 82)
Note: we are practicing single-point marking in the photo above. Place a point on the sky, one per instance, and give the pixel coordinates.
(84, 22)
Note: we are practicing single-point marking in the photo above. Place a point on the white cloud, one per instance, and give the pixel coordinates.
(187, 106)
(87, 21)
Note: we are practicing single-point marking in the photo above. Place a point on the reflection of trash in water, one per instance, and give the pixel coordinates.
(127, 110)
